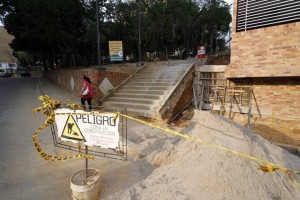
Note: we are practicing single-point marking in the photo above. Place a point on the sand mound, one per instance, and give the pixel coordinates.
(186, 169)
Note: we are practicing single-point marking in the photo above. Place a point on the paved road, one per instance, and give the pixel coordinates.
(24, 175)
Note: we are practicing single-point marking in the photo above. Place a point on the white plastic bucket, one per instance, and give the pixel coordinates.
(85, 185)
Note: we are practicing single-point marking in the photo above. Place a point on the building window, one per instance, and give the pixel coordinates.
(254, 14)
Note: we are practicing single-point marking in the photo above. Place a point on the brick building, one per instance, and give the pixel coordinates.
(265, 53)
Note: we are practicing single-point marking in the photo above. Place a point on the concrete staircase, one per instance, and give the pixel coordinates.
(145, 92)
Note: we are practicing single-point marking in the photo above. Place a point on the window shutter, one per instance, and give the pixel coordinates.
(254, 14)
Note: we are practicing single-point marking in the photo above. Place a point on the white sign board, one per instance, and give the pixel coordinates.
(115, 50)
(94, 129)
(105, 86)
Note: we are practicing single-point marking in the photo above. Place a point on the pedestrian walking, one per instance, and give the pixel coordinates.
(86, 93)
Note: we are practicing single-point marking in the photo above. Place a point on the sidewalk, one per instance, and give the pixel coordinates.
(49, 88)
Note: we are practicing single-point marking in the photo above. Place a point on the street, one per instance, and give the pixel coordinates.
(23, 173)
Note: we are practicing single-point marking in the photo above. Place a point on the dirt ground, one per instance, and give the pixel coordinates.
(285, 132)
(198, 167)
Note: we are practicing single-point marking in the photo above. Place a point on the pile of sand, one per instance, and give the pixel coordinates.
(186, 169)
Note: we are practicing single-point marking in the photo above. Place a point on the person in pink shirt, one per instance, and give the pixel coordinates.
(86, 93)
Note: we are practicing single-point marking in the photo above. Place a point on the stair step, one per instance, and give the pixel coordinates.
(138, 96)
(129, 105)
(159, 71)
(168, 75)
(162, 80)
(155, 92)
(154, 80)
(163, 84)
(131, 100)
(141, 113)
(134, 112)
(143, 94)
(131, 87)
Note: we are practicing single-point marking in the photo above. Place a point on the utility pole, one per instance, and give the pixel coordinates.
(98, 36)
(139, 63)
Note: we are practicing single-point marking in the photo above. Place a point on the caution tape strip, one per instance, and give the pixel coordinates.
(49, 105)
(269, 167)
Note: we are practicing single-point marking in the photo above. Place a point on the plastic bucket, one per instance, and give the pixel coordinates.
(85, 185)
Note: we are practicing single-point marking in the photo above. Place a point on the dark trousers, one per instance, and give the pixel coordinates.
(89, 100)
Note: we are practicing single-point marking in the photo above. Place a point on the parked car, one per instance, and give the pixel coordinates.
(4, 74)
(24, 71)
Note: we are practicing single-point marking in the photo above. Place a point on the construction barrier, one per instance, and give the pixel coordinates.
(49, 105)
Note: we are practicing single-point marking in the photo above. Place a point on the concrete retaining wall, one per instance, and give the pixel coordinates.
(180, 98)
(71, 80)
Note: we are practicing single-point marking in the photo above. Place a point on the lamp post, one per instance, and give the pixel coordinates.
(98, 36)
(139, 64)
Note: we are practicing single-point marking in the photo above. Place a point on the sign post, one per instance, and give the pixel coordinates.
(115, 51)
(86, 161)
(94, 129)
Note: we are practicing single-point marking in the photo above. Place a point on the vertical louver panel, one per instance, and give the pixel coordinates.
(254, 14)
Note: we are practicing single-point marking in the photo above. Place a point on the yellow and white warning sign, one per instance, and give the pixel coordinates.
(94, 129)
(72, 131)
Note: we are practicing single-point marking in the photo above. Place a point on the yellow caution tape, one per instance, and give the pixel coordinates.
(73, 105)
(49, 105)
(270, 167)
(210, 144)
(267, 167)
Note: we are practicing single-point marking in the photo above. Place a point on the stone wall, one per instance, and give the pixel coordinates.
(266, 52)
(71, 80)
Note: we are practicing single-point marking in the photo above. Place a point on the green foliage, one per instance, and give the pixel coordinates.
(23, 58)
(171, 25)
(50, 29)
(63, 33)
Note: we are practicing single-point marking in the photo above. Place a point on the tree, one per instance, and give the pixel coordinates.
(169, 24)
(51, 29)
(23, 58)
(217, 15)
(64, 32)
(184, 24)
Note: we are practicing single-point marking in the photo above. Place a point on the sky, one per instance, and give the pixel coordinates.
(229, 1)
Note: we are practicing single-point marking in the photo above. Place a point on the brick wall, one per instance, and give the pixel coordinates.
(277, 96)
(269, 60)
(281, 95)
(267, 52)
(71, 80)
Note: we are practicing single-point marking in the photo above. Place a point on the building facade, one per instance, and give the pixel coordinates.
(9, 68)
(265, 53)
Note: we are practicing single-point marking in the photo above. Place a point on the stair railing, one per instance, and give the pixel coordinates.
(120, 85)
